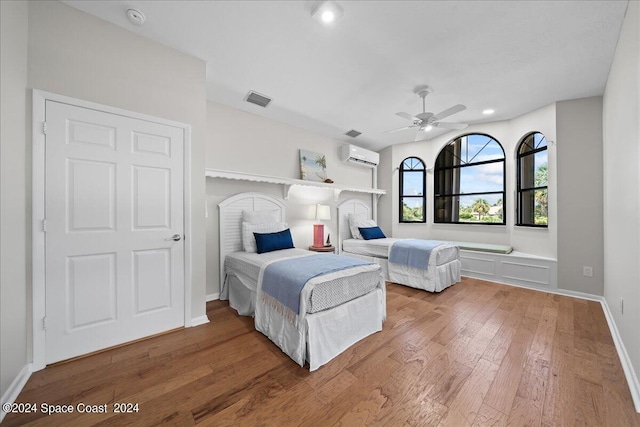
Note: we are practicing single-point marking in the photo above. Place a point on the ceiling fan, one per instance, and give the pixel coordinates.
(426, 121)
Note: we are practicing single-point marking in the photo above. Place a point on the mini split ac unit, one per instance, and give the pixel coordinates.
(359, 156)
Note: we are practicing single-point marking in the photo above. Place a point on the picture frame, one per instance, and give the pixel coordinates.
(313, 166)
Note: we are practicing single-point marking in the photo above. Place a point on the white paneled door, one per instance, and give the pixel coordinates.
(114, 230)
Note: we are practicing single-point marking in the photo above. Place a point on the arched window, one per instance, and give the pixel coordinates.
(412, 190)
(533, 206)
(469, 180)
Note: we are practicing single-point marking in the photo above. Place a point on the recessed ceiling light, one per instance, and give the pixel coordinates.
(327, 12)
(488, 111)
(136, 16)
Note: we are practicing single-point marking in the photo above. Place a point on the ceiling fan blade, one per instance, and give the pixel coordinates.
(450, 111)
(448, 125)
(398, 129)
(406, 116)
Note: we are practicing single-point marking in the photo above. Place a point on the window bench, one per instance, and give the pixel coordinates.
(500, 263)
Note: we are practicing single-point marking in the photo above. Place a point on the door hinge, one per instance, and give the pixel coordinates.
(44, 323)
(44, 128)
(44, 225)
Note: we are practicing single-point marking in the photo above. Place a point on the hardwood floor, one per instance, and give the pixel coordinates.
(477, 354)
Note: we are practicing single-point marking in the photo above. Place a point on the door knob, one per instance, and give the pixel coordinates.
(175, 238)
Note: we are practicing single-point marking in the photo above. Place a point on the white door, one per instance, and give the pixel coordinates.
(114, 205)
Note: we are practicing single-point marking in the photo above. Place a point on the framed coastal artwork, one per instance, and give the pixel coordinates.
(313, 166)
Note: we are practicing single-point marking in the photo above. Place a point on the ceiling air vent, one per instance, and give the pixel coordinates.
(353, 133)
(256, 98)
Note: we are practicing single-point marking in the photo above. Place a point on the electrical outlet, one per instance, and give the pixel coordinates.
(621, 306)
(587, 271)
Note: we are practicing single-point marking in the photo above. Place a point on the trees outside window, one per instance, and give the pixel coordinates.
(469, 181)
(412, 190)
(533, 204)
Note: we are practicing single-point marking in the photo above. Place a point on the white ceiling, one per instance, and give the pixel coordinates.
(512, 56)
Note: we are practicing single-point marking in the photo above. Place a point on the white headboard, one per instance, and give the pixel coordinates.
(230, 220)
(351, 206)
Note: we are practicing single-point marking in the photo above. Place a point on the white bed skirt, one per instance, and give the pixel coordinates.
(434, 279)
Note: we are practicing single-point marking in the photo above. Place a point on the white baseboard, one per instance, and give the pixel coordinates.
(625, 361)
(629, 373)
(563, 292)
(15, 388)
(213, 297)
(201, 320)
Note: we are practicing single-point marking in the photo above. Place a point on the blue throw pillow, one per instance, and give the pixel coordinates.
(369, 233)
(267, 242)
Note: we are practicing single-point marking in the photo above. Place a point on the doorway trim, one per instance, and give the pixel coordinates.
(38, 192)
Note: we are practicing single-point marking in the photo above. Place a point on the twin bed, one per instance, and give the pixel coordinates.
(442, 269)
(340, 304)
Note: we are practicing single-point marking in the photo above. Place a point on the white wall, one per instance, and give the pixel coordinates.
(78, 55)
(538, 241)
(14, 281)
(244, 142)
(622, 185)
(580, 221)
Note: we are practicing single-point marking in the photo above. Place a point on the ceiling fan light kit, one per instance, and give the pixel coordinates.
(426, 121)
(327, 12)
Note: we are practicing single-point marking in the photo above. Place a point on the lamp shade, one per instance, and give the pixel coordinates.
(319, 212)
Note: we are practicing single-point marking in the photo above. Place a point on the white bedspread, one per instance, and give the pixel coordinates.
(443, 271)
(291, 337)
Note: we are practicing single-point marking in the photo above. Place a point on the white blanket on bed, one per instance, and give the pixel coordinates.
(290, 337)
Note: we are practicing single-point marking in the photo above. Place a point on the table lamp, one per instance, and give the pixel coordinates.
(321, 213)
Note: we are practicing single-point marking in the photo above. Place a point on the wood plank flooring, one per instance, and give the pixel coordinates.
(477, 354)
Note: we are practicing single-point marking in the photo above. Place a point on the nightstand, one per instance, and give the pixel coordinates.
(323, 249)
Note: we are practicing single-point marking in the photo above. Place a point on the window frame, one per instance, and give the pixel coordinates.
(520, 190)
(403, 196)
(437, 169)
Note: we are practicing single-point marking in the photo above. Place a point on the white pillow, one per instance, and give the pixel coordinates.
(261, 217)
(249, 240)
(355, 222)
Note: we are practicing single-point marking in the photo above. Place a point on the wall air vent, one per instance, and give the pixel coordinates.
(353, 133)
(258, 99)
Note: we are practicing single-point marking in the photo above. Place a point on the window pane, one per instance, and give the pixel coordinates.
(534, 207)
(412, 163)
(485, 208)
(541, 178)
(539, 140)
(481, 178)
(532, 142)
(412, 183)
(412, 209)
(471, 179)
(481, 148)
(533, 170)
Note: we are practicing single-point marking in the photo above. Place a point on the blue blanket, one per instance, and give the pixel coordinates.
(413, 252)
(284, 280)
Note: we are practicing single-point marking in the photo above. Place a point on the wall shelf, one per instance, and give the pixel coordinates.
(288, 183)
